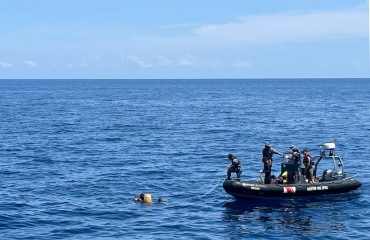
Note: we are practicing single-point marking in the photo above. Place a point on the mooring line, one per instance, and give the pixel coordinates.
(222, 177)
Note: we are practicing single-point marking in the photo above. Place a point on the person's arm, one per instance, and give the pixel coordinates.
(276, 152)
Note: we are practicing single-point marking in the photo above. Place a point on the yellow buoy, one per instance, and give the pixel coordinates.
(147, 198)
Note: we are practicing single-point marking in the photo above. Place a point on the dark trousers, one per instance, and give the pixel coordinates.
(238, 171)
(297, 172)
(267, 178)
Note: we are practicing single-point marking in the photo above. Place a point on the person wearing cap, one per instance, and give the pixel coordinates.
(308, 170)
(268, 152)
(234, 166)
(296, 159)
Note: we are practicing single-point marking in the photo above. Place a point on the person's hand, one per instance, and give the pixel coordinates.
(261, 170)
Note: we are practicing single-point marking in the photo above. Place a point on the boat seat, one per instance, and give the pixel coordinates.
(339, 175)
(290, 168)
(327, 175)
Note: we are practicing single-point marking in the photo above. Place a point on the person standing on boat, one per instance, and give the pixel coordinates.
(268, 152)
(296, 158)
(267, 164)
(235, 166)
(308, 170)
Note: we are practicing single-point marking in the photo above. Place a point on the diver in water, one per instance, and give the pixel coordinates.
(139, 198)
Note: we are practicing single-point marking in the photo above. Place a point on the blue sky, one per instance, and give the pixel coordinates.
(132, 39)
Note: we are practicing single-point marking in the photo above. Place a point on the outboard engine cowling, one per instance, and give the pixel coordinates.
(327, 175)
(339, 175)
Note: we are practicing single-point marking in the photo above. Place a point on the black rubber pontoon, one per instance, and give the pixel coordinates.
(334, 180)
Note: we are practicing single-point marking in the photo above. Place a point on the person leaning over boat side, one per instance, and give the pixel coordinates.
(235, 166)
(268, 152)
(308, 170)
(266, 170)
(296, 158)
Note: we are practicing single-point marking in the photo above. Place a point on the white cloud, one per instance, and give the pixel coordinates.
(5, 65)
(163, 61)
(138, 61)
(286, 27)
(244, 64)
(184, 62)
(74, 65)
(30, 63)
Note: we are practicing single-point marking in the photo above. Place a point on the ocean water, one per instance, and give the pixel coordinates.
(74, 153)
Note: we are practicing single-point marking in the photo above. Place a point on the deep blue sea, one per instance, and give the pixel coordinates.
(74, 153)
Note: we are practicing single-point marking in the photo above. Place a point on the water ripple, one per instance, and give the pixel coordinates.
(74, 153)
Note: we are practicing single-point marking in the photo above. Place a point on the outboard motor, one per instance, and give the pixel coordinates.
(339, 175)
(327, 175)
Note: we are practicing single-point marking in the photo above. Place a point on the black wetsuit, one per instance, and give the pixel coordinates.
(236, 167)
(267, 171)
(296, 158)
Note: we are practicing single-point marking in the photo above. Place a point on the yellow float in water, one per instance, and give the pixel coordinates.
(147, 198)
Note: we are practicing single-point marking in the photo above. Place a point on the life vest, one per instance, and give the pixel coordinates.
(305, 159)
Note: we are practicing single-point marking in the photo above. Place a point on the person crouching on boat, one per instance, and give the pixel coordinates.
(308, 170)
(266, 170)
(235, 166)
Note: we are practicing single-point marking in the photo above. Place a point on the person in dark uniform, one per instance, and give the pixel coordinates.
(296, 158)
(266, 170)
(235, 166)
(268, 152)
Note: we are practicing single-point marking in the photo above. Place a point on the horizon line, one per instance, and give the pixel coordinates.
(278, 78)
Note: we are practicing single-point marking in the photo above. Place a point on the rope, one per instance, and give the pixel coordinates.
(212, 189)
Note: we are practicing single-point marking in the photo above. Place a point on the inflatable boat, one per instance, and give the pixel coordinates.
(333, 180)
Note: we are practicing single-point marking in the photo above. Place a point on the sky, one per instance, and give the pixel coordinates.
(184, 39)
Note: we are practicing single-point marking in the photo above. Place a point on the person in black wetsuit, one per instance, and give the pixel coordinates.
(268, 152)
(235, 166)
(139, 198)
(296, 158)
(266, 170)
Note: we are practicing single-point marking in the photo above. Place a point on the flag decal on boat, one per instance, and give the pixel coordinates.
(289, 189)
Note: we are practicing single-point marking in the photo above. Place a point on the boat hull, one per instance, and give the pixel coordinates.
(253, 189)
